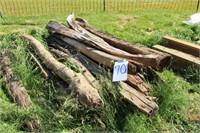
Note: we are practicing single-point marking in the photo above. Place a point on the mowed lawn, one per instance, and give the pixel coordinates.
(52, 7)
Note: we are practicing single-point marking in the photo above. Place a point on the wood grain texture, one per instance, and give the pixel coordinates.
(162, 59)
(88, 39)
(181, 45)
(179, 58)
(86, 94)
(18, 91)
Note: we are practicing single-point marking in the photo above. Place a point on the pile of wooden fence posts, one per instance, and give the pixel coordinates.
(88, 49)
(99, 48)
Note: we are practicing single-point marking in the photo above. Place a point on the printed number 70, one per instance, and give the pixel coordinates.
(121, 69)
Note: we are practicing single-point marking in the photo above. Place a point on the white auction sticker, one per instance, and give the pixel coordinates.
(120, 70)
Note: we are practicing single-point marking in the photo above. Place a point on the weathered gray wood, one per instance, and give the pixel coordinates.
(143, 102)
(55, 27)
(87, 94)
(129, 93)
(86, 73)
(136, 82)
(163, 59)
(18, 91)
(99, 56)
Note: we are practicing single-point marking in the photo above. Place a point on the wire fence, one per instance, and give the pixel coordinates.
(52, 7)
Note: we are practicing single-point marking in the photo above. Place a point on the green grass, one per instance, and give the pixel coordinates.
(178, 98)
(54, 7)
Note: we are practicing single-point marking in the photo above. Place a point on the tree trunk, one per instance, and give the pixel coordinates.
(89, 39)
(87, 95)
(18, 91)
(163, 59)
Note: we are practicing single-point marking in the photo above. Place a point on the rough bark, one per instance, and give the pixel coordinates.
(89, 39)
(87, 94)
(163, 59)
(144, 103)
(18, 91)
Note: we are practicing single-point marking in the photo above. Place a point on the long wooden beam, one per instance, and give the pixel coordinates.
(55, 27)
(133, 80)
(187, 47)
(86, 94)
(179, 57)
(135, 97)
(163, 59)
(144, 103)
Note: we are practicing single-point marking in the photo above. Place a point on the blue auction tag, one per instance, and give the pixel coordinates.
(120, 70)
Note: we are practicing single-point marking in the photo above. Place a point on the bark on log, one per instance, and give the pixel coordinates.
(86, 73)
(55, 27)
(163, 59)
(18, 91)
(87, 95)
(143, 102)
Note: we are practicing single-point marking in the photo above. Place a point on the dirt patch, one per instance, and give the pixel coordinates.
(127, 18)
(194, 118)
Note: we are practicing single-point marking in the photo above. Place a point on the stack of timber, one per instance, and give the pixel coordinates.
(183, 53)
(86, 93)
(96, 49)
(162, 59)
